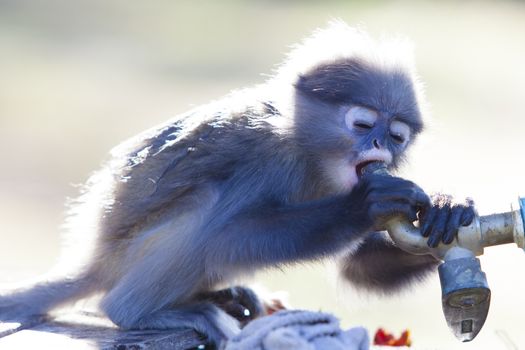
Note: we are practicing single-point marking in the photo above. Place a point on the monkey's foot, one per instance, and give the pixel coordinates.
(239, 302)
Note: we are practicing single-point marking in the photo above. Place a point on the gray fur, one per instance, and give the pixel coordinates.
(227, 188)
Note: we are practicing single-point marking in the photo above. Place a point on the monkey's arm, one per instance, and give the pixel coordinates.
(271, 233)
(381, 266)
(278, 234)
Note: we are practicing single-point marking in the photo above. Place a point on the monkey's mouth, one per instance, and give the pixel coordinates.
(360, 167)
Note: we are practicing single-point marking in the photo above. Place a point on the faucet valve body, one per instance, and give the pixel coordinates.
(465, 296)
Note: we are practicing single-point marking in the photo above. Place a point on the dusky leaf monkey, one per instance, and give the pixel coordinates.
(266, 176)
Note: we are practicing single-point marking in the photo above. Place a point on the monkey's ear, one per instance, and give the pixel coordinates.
(334, 82)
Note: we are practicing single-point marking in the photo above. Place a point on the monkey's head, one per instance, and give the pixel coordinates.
(357, 104)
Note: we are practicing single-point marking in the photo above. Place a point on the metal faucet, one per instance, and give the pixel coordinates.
(464, 288)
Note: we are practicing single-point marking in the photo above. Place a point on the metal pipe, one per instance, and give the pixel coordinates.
(485, 231)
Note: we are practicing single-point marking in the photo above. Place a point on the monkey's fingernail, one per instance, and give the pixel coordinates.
(432, 242)
(448, 238)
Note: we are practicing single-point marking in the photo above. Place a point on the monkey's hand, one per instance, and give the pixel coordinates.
(383, 197)
(443, 219)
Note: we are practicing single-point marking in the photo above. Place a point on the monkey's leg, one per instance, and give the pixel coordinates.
(205, 318)
(157, 292)
(378, 264)
(239, 302)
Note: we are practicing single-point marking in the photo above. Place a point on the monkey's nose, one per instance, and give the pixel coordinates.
(376, 144)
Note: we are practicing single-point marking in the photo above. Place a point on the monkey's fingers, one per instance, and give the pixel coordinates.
(381, 182)
(237, 311)
(438, 228)
(250, 300)
(411, 196)
(381, 212)
(453, 224)
(467, 216)
(427, 220)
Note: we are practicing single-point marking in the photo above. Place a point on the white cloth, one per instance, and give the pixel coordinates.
(298, 330)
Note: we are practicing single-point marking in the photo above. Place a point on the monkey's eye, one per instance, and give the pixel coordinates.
(397, 138)
(399, 132)
(363, 125)
(360, 118)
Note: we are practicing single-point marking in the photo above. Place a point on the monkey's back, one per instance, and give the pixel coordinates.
(209, 157)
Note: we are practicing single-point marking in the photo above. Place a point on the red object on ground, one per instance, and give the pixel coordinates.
(387, 339)
(273, 305)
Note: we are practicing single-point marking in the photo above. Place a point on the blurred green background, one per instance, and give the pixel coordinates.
(78, 77)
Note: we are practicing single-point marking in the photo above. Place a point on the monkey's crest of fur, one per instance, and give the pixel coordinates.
(338, 41)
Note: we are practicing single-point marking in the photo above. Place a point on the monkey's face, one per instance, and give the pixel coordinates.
(377, 136)
(364, 135)
(353, 114)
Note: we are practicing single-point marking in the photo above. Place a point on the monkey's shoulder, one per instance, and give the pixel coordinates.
(202, 146)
